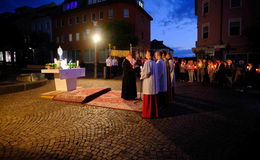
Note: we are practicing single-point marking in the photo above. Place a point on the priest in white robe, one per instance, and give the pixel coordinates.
(162, 80)
(150, 85)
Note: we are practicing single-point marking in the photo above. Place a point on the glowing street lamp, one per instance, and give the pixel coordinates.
(96, 38)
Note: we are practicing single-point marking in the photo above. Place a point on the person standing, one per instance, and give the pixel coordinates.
(201, 70)
(108, 66)
(114, 66)
(129, 80)
(172, 74)
(182, 70)
(149, 77)
(162, 79)
(190, 69)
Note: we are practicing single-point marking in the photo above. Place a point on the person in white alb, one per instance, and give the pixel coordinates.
(114, 66)
(149, 75)
(162, 79)
(172, 73)
(108, 66)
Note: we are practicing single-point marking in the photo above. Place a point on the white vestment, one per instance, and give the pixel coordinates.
(162, 75)
(149, 77)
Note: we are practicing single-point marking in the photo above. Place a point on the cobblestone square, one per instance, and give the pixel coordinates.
(204, 123)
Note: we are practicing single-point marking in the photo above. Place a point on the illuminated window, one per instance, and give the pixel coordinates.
(70, 37)
(101, 15)
(70, 5)
(1, 56)
(77, 37)
(110, 13)
(8, 56)
(235, 3)
(14, 56)
(126, 12)
(235, 27)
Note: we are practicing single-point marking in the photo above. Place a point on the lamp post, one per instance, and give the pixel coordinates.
(96, 39)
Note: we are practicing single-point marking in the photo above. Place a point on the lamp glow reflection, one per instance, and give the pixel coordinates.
(96, 38)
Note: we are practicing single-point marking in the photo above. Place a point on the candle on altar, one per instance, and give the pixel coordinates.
(77, 63)
(55, 60)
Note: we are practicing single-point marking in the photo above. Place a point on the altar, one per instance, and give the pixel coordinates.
(66, 79)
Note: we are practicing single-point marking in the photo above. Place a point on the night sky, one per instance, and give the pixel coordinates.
(174, 21)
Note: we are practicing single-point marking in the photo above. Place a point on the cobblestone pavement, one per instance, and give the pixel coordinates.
(203, 123)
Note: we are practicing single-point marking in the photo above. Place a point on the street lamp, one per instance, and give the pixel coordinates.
(96, 38)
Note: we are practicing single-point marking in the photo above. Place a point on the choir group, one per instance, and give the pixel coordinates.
(158, 81)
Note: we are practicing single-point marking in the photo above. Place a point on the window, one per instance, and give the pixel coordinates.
(110, 13)
(14, 56)
(70, 21)
(126, 12)
(95, 1)
(48, 25)
(235, 27)
(205, 7)
(101, 15)
(77, 20)
(70, 37)
(93, 17)
(235, 3)
(57, 25)
(58, 39)
(89, 56)
(84, 19)
(62, 23)
(8, 56)
(77, 36)
(205, 32)
(62, 39)
(84, 35)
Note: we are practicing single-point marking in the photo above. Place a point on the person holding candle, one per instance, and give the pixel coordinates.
(211, 71)
(201, 70)
(182, 70)
(190, 69)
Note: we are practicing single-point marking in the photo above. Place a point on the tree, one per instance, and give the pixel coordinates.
(119, 33)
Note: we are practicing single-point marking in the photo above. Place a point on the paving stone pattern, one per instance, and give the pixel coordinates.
(203, 123)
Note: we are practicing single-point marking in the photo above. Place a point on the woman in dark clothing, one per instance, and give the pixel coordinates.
(129, 80)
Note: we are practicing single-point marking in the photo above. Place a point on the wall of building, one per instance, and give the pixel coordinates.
(140, 23)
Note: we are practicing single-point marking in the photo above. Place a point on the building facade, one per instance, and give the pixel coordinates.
(222, 29)
(77, 21)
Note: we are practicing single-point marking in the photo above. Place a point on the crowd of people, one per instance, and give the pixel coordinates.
(158, 73)
(217, 73)
(158, 81)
